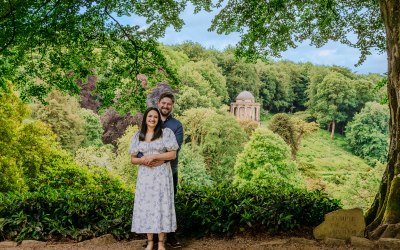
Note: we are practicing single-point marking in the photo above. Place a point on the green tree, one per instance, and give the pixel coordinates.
(334, 96)
(291, 130)
(189, 98)
(207, 80)
(12, 113)
(271, 27)
(276, 86)
(217, 136)
(239, 75)
(265, 161)
(27, 147)
(62, 114)
(194, 51)
(93, 128)
(368, 132)
(49, 43)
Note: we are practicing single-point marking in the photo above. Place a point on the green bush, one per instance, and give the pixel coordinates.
(226, 210)
(85, 213)
(67, 201)
(265, 161)
(192, 169)
(122, 165)
(94, 156)
(76, 214)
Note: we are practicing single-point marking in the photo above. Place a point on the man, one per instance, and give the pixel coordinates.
(165, 105)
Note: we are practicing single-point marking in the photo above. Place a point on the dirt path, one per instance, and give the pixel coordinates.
(242, 242)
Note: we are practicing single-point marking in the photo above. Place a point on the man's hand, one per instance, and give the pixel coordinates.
(155, 163)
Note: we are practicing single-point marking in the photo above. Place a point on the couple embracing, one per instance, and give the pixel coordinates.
(155, 149)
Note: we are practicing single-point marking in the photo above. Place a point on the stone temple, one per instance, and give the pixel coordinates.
(246, 107)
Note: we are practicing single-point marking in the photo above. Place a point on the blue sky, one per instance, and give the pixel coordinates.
(196, 26)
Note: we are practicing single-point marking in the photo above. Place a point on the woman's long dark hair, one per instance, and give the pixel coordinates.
(157, 130)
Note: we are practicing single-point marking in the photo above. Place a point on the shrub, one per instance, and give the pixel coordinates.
(192, 169)
(122, 165)
(88, 212)
(76, 214)
(226, 210)
(96, 156)
(265, 161)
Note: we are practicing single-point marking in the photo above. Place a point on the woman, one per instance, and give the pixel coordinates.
(154, 208)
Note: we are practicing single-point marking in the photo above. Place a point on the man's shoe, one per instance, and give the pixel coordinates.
(172, 241)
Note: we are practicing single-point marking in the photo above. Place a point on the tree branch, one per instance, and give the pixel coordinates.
(14, 29)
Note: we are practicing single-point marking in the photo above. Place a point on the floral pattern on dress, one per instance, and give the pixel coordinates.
(154, 207)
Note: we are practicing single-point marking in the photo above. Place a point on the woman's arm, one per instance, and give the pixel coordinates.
(170, 155)
(136, 161)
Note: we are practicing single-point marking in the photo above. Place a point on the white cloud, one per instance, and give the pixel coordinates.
(332, 53)
(326, 52)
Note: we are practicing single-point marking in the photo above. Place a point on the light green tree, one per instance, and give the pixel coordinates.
(12, 112)
(368, 132)
(27, 147)
(265, 161)
(217, 136)
(62, 113)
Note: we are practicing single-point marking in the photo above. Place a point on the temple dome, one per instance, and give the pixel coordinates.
(245, 96)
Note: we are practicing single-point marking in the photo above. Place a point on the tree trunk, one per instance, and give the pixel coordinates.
(333, 129)
(385, 209)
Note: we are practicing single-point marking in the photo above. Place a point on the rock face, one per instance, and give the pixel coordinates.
(341, 224)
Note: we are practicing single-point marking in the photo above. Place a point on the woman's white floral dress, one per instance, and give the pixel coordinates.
(154, 208)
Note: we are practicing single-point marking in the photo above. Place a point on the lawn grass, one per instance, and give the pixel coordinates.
(329, 164)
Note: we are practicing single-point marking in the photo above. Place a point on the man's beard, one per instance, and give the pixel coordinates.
(165, 114)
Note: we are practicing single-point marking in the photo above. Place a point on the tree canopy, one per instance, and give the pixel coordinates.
(52, 43)
(273, 26)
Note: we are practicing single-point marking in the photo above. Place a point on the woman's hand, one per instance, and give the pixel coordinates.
(148, 159)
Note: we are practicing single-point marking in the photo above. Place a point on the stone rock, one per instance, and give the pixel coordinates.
(388, 243)
(8, 243)
(341, 224)
(33, 243)
(334, 242)
(361, 242)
